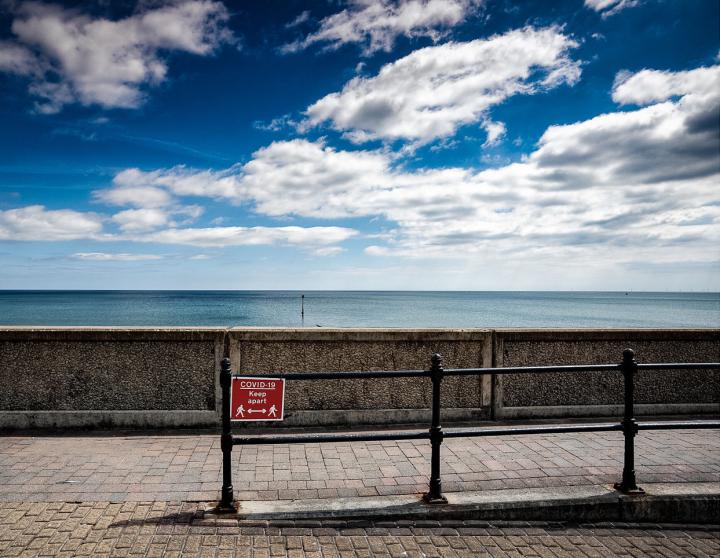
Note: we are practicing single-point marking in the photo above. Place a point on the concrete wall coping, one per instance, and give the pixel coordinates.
(605, 334)
(356, 334)
(119, 333)
(114, 334)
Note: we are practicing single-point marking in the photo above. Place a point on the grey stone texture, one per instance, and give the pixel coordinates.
(188, 529)
(108, 369)
(266, 352)
(548, 347)
(145, 377)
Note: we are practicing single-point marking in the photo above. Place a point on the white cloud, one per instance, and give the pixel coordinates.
(216, 237)
(620, 181)
(495, 132)
(96, 61)
(310, 179)
(329, 251)
(137, 196)
(622, 186)
(299, 20)
(16, 59)
(34, 222)
(276, 124)
(608, 8)
(160, 188)
(652, 86)
(114, 257)
(640, 183)
(376, 24)
(137, 220)
(432, 91)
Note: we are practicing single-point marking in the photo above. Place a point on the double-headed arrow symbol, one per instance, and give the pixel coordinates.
(263, 411)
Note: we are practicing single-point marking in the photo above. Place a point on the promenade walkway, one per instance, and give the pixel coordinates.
(170, 530)
(127, 495)
(170, 468)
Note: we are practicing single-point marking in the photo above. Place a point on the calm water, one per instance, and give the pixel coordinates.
(360, 309)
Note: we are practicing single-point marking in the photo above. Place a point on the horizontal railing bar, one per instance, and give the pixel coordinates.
(559, 429)
(468, 432)
(347, 375)
(323, 438)
(678, 425)
(532, 369)
(680, 366)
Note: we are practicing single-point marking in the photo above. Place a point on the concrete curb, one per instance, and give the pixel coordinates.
(662, 503)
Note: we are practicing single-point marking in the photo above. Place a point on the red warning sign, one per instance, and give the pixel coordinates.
(253, 398)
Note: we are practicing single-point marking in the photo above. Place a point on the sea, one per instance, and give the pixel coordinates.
(477, 309)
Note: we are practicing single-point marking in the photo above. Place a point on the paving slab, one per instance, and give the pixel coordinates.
(184, 529)
(153, 495)
(121, 468)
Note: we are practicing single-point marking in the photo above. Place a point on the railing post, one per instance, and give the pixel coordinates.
(226, 443)
(629, 426)
(434, 494)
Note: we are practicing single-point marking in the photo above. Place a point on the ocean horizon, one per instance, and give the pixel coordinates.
(276, 308)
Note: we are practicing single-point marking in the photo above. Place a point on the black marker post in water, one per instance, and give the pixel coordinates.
(302, 309)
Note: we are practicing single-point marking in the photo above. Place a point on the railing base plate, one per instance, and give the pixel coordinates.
(636, 491)
(225, 508)
(428, 499)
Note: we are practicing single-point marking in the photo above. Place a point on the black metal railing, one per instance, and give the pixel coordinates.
(628, 425)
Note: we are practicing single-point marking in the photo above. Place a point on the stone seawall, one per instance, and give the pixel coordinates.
(148, 377)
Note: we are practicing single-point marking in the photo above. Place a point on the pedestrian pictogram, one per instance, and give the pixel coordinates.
(253, 398)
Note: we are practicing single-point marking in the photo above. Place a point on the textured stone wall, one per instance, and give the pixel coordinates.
(546, 347)
(74, 370)
(143, 377)
(266, 351)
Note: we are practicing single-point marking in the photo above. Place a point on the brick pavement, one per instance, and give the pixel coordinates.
(187, 468)
(182, 529)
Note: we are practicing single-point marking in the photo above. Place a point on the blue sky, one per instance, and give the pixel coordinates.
(419, 144)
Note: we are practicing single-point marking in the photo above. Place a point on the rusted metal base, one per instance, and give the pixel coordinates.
(633, 491)
(429, 499)
(225, 508)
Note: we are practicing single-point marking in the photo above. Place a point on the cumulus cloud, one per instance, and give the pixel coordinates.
(137, 220)
(643, 179)
(651, 86)
(311, 179)
(160, 188)
(16, 59)
(608, 8)
(432, 91)
(137, 196)
(619, 181)
(376, 24)
(329, 251)
(34, 222)
(147, 219)
(114, 257)
(251, 236)
(74, 57)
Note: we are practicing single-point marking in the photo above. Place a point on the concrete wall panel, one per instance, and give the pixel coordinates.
(145, 377)
(264, 352)
(108, 369)
(546, 347)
